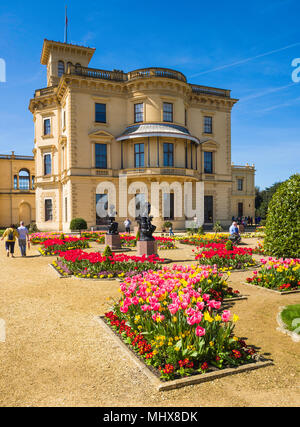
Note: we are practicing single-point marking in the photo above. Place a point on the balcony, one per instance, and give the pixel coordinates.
(162, 171)
(120, 76)
(205, 90)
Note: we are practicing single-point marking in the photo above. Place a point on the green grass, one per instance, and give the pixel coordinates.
(290, 314)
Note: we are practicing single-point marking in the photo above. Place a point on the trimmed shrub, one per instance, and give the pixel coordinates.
(107, 251)
(283, 221)
(78, 224)
(229, 245)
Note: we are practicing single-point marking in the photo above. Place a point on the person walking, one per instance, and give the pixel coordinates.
(23, 238)
(10, 235)
(127, 224)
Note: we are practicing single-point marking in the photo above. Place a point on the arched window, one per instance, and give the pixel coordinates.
(24, 179)
(69, 64)
(61, 68)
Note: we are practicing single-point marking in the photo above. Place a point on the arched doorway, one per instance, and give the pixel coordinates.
(25, 213)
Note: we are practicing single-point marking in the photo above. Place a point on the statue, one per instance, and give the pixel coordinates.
(144, 221)
(113, 225)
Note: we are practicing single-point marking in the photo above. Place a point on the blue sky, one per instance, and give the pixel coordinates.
(246, 47)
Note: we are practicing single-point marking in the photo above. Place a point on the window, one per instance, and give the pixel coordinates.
(101, 209)
(48, 210)
(207, 124)
(168, 154)
(101, 156)
(47, 164)
(69, 65)
(208, 162)
(138, 113)
(240, 184)
(100, 113)
(60, 68)
(208, 209)
(139, 156)
(168, 199)
(32, 182)
(47, 126)
(23, 180)
(167, 112)
(15, 182)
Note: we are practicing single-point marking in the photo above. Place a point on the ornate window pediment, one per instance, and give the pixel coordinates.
(100, 135)
(209, 144)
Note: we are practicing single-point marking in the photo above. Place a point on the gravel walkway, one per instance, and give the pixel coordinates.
(56, 354)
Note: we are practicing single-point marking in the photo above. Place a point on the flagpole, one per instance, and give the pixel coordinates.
(66, 27)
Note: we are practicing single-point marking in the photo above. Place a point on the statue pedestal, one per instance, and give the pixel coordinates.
(113, 241)
(146, 247)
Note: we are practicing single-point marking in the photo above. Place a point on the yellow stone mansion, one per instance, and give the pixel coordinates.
(111, 138)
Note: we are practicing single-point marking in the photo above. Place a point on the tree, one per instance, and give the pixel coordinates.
(262, 199)
(283, 220)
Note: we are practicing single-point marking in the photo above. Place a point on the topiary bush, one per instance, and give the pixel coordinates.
(78, 224)
(229, 245)
(107, 251)
(283, 221)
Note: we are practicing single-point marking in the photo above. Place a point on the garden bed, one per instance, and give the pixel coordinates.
(212, 373)
(278, 275)
(95, 265)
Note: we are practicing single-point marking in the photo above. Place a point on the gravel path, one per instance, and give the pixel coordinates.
(56, 354)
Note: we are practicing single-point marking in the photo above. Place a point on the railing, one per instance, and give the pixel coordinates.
(118, 75)
(156, 72)
(210, 91)
(115, 75)
(242, 166)
(161, 171)
(16, 157)
(44, 91)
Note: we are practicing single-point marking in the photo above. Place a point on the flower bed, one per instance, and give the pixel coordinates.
(93, 235)
(94, 265)
(54, 246)
(281, 274)
(39, 238)
(237, 258)
(204, 239)
(166, 319)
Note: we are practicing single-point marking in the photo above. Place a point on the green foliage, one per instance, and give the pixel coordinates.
(107, 251)
(217, 227)
(200, 230)
(263, 198)
(283, 220)
(167, 224)
(78, 224)
(289, 315)
(229, 245)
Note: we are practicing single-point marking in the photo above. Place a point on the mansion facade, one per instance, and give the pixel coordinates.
(107, 139)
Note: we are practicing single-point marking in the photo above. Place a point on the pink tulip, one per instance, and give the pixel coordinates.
(200, 331)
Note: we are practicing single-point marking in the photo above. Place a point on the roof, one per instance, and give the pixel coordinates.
(156, 129)
(51, 43)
